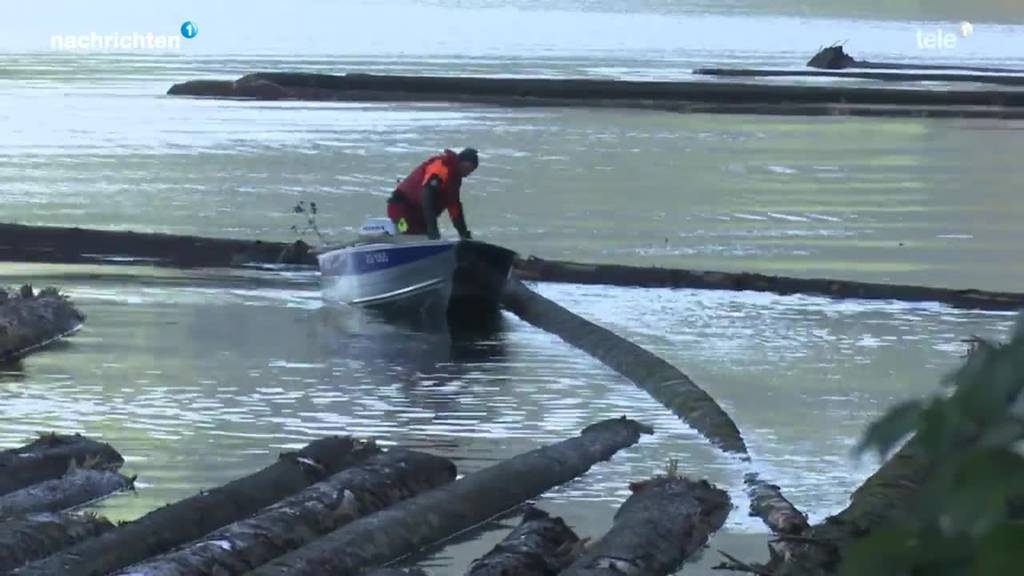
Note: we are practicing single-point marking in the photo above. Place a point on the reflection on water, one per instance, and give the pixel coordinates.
(198, 378)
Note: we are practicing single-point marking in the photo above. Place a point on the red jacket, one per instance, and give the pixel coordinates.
(407, 200)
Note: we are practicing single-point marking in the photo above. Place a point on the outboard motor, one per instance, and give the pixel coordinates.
(378, 229)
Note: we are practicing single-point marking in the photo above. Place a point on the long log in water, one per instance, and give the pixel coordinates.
(51, 456)
(663, 523)
(666, 384)
(73, 489)
(999, 79)
(29, 321)
(191, 518)
(617, 275)
(36, 536)
(377, 483)
(540, 546)
(674, 96)
(429, 518)
(20, 243)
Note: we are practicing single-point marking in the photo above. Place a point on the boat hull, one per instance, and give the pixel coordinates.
(464, 279)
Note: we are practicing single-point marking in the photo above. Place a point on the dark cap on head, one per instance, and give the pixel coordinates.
(470, 155)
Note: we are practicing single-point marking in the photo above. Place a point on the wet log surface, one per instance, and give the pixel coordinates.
(188, 519)
(73, 489)
(379, 482)
(29, 321)
(664, 522)
(51, 456)
(410, 525)
(661, 380)
(539, 546)
(27, 538)
(894, 76)
(19, 243)
(616, 275)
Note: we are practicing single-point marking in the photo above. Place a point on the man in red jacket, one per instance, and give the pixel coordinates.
(433, 187)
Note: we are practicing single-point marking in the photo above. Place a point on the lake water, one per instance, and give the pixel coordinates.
(201, 377)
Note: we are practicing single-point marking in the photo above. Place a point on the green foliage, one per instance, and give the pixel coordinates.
(967, 516)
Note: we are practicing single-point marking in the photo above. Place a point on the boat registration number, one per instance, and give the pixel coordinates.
(377, 258)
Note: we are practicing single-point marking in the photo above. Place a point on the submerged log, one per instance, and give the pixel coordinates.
(539, 546)
(36, 536)
(674, 96)
(51, 456)
(663, 523)
(859, 75)
(436, 515)
(836, 58)
(616, 275)
(29, 321)
(19, 243)
(191, 518)
(661, 380)
(73, 489)
(377, 483)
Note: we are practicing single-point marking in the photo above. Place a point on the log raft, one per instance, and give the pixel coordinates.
(411, 525)
(30, 321)
(27, 538)
(165, 528)
(617, 275)
(379, 482)
(711, 97)
(664, 522)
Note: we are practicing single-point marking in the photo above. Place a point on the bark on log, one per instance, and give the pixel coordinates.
(768, 504)
(51, 456)
(539, 546)
(616, 275)
(29, 321)
(20, 243)
(29, 538)
(663, 523)
(429, 518)
(73, 489)
(191, 518)
(658, 378)
(880, 76)
(378, 483)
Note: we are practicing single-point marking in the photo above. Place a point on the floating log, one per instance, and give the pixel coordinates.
(661, 380)
(191, 518)
(30, 321)
(539, 546)
(836, 58)
(616, 275)
(51, 456)
(672, 96)
(377, 483)
(663, 523)
(436, 515)
(879, 76)
(73, 489)
(19, 243)
(36, 536)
